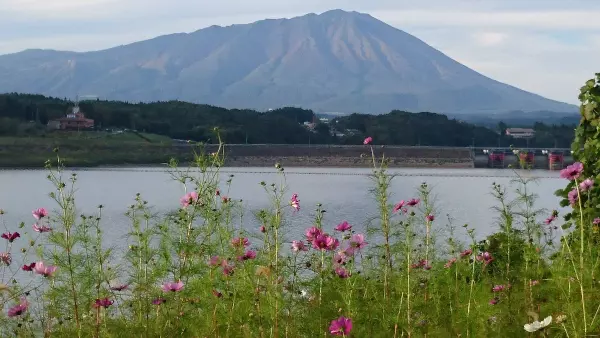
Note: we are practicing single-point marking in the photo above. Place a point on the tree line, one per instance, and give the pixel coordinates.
(27, 115)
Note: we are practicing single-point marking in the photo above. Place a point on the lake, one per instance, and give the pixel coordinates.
(464, 194)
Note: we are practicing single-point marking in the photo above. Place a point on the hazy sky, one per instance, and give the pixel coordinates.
(550, 47)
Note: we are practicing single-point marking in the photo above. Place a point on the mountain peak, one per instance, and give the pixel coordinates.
(335, 61)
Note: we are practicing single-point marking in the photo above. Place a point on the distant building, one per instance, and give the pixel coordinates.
(520, 132)
(75, 120)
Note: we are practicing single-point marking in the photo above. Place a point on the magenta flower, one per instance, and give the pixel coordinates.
(572, 172)
(312, 232)
(596, 221)
(450, 262)
(5, 258)
(485, 257)
(227, 268)
(18, 309)
(368, 140)
(240, 242)
(158, 301)
(498, 288)
(466, 253)
(28, 267)
(103, 302)
(358, 241)
(344, 226)
(39, 213)
(550, 219)
(250, 254)
(299, 246)
(295, 202)
(340, 257)
(120, 287)
(494, 301)
(262, 229)
(413, 202)
(214, 261)
(430, 218)
(42, 228)
(189, 199)
(341, 272)
(586, 184)
(11, 236)
(341, 326)
(573, 197)
(325, 242)
(172, 286)
(399, 206)
(41, 269)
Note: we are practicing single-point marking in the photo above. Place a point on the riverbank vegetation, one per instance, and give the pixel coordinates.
(24, 115)
(197, 272)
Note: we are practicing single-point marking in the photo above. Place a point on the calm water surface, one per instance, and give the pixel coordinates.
(464, 194)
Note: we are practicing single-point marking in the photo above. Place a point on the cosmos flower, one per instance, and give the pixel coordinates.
(344, 226)
(368, 140)
(172, 286)
(572, 172)
(18, 309)
(41, 228)
(536, 325)
(103, 302)
(295, 202)
(341, 326)
(46, 271)
(10, 236)
(189, 199)
(39, 213)
(586, 185)
(299, 246)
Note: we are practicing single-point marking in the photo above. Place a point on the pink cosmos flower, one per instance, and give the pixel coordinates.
(341, 272)
(103, 302)
(250, 254)
(550, 219)
(498, 288)
(299, 246)
(340, 257)
(586, 185)
(11, 236)
(312, 232)
(214, 261)
(18, 309)
(5, 258)
(368, 140)
(172, 286)
(466, 253)
(158, 301)
(341, 326)
(399, 206)
(573, 197)
(572, 172)
(413, 202)
(358, 241)
(450, 262)
(120, 287)
(596, 221)
(485, 257)
(240, 241)
(494, 301)
(295, 202)
(262, 229)
(28, 267)
(41, 269)
(344, 226)
(430, 218)
(42, 228)
(39, 213)
(189, 199)
(227, 268)
(325, 242)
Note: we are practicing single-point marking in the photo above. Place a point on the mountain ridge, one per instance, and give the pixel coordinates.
(334, 61)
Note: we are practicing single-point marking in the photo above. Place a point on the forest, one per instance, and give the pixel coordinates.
(26, 115)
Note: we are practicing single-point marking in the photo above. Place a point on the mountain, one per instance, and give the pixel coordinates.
(337, 61)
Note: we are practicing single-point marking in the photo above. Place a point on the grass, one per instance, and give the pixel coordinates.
(195, 272)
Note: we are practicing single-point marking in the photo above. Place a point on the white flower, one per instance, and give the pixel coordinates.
(538, 325)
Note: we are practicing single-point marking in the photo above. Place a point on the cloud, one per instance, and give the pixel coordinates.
(488, 39)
